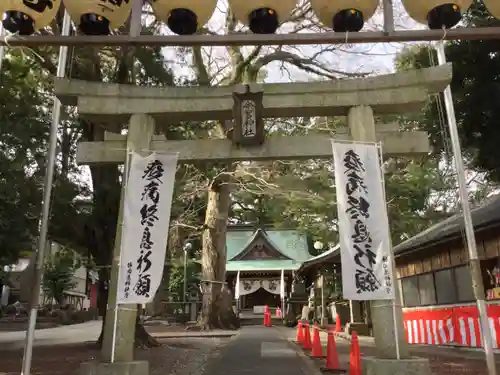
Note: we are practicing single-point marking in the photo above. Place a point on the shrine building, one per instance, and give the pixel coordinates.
(258, 260)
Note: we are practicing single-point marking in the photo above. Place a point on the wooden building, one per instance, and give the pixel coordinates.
(436, 285)
(260, 259)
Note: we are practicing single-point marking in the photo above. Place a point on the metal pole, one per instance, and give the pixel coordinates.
(136, 18)
(184, 289)
(2, 48)
(47, 194)
(120, 319)
(323, 300)
(474, 262)
(388, 16)
(244, 39)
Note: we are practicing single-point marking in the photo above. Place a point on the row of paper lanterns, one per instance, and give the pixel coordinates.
(184, 17)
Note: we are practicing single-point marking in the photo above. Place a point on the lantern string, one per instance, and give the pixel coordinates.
(20, 48)
(445, 31)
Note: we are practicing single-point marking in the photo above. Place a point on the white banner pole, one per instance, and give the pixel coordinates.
(474, 262)
(126, 168)
(135, 30)
(46, 204)
(282, 290)
(2, 48)
(115, 327)
(394, 301)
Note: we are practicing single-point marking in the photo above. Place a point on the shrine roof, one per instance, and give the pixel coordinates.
(291, 243)
(484, 216)
(262, 265)
(332, 254)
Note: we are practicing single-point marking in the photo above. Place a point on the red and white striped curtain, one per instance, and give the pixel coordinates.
(454, 325)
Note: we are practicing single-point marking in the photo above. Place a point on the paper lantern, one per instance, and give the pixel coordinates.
(344, 15)
(184, 17)
(26, 16)
(437, 14)
(262, 16)
(493, 7)
(97, 17)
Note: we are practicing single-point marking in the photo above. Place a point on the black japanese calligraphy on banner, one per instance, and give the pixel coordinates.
(358, 210)
(146, 219)
(150, 196)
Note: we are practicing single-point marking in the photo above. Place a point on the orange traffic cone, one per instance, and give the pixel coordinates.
(300, 333)
(278, 313)
(307, 337)
(355, 357)
(332, 356)
(265, 319)
(338, 327)
(317, 349)
(266, 309)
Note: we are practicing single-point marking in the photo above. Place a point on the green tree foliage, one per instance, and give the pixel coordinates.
(301, 194)
(476, 93)
(176, 284)
(23, 134)
(25, 100)
(58, 274)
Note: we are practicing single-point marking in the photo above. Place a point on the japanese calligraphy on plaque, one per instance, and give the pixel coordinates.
(148, 200)
(248, 121)
(363, 223)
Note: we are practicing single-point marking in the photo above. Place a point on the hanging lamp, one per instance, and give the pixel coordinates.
(437, 14)
(493, 7)
(24, 17)
(97, 17)
(262, 16)
(184, 17)
(344, 15)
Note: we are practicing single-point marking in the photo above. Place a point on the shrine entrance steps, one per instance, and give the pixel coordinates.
(249, 318)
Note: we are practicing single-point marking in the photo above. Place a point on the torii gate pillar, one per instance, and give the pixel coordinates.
(361, 125)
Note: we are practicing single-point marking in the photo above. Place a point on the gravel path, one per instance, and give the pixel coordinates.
(176, 356)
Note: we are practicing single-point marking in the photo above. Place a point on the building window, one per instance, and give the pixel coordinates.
(411, 296)
(446, 291)
(465, 292)
(426, 289)
(451, 285)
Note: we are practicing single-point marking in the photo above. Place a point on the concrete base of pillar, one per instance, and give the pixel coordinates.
(408, 366)
(360, 328)
(120, 368)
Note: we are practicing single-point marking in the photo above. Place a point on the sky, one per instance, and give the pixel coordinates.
(366, 58)
(374, 59)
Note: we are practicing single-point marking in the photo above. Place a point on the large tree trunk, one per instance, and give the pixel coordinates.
(142, 337)
(217, 309)
(157, 308)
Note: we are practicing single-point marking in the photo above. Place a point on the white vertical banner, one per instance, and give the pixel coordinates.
(146, 219)
(282, 290)
(282, 284)
(363, 222)
(237, 287)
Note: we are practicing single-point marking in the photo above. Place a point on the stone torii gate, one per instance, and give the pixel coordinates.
(143, 107)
